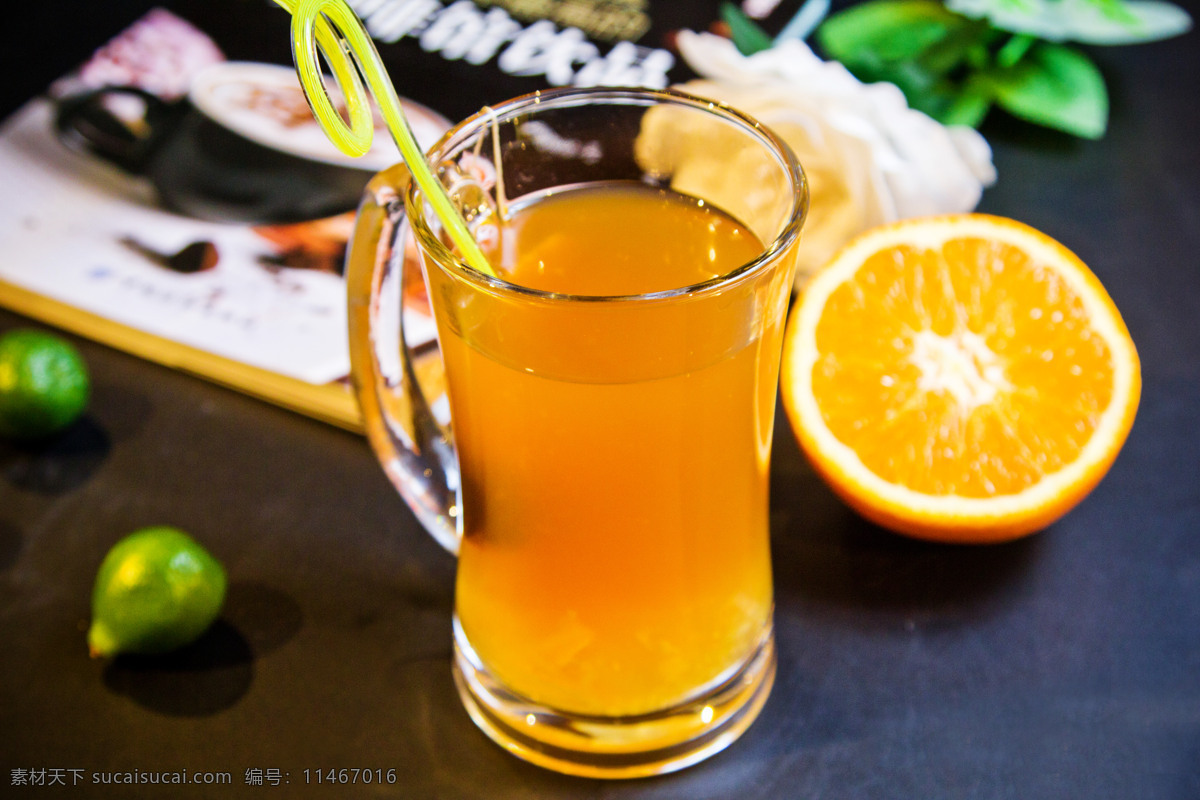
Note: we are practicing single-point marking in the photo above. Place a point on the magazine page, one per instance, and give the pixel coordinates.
(174, 197)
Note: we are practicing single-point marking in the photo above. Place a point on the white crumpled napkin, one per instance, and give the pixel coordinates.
(869, 158)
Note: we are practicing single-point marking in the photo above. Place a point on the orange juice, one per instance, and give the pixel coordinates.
(613, 455)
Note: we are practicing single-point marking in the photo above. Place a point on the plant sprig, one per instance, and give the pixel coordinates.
(956, 61)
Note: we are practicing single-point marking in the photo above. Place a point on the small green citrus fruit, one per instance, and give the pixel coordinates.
(157, 590)
(44, 384)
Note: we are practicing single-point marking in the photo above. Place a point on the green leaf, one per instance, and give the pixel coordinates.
(924, 90)
(916, 45)
(747, 36)
(1054, 86)
(1014, 49)
(969, 107)
(1106, 22)
(886, 30)
(965, 45)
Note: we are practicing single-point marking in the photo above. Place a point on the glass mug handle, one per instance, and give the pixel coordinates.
(416, 450)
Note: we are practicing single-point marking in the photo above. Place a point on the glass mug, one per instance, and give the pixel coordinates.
(602, 474)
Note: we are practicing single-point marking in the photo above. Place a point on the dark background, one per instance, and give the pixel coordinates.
(1065, 665)
(64, 34)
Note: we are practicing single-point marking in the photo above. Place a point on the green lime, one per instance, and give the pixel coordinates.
(44, 384)
(157, 590)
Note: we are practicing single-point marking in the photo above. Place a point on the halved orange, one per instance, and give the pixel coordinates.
(961, 378)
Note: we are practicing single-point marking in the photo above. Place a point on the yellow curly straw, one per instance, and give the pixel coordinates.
(331, 26)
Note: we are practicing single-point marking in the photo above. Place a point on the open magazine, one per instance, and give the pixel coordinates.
(174, 198)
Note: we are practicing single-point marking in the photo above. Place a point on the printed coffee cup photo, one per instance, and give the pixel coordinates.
(242, 146)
